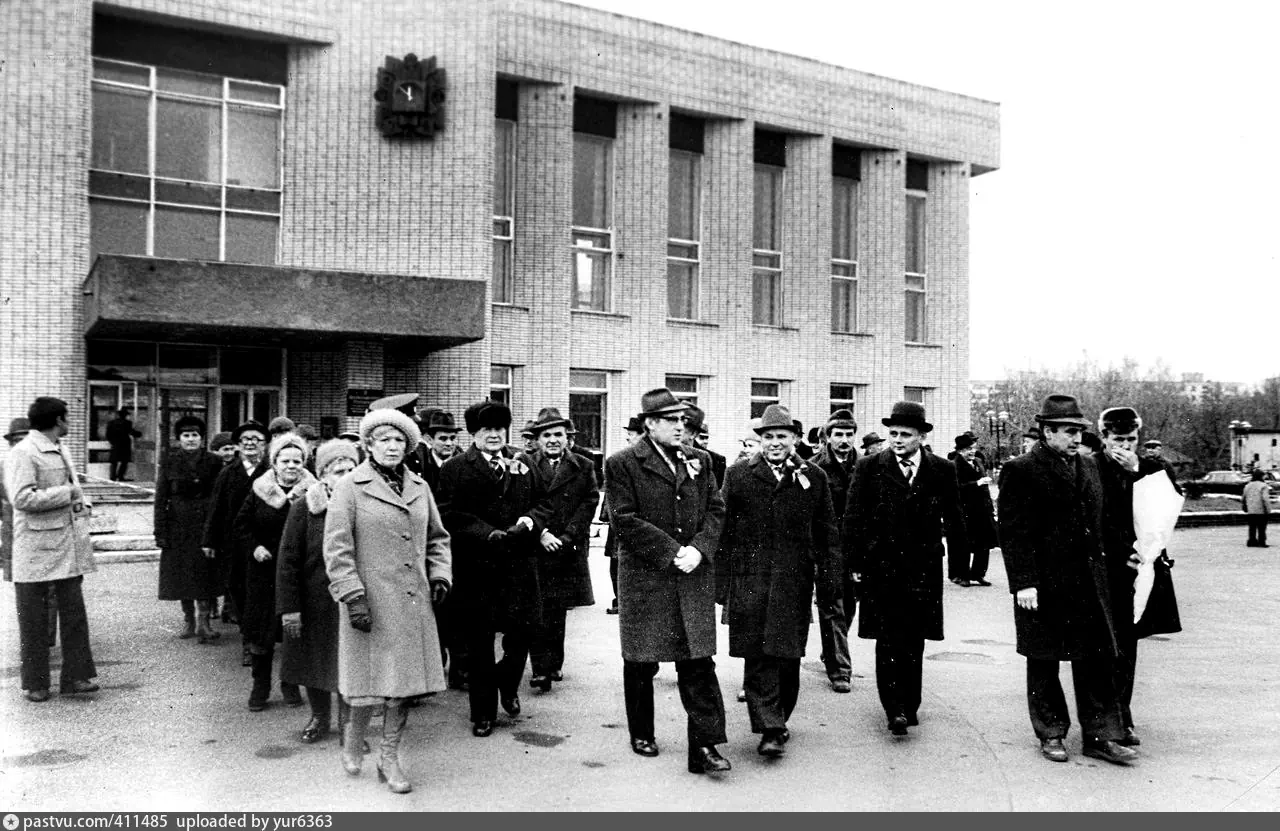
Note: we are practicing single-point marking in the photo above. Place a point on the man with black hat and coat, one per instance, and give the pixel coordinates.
(901, 503)
(1051, 534)
(979, 517)
(668, 514)
(836, 609)
(439, 445)
(634, 431)
(230, 490)
(697, 433)
(779, 540)
(487, 499)
(567, 482)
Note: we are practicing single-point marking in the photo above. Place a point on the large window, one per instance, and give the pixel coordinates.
(917, 328)
(845, 397)
(184, 164)
(766, 261)
(500, 384)
(588, 404)
(844, 255)
(504, 166)
(764, 393)
(684, 234)
(592, 221)
(916, 395)
(684, 387)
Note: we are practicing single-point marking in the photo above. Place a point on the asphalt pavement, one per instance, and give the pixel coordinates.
(170, 729)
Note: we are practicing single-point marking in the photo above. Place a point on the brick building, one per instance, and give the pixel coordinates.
(200, 214)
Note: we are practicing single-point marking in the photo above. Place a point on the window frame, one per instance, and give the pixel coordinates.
(577, 389)
(503, 285)
(916, 283)
(503, 389)
(849, 402)
(594, 253)
(844, 269)
(761, 399)
(767, 263)
(226, 104)
(693, 263)
(687, 396)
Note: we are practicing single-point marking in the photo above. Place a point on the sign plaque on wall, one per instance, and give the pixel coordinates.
(359, 399)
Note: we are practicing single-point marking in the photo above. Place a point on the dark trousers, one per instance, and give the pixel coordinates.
(1126, 666)
(546, 655)
(834, 619)
(981, 559)
(1258, 529)
(773, 687)
(899, 667)
(1096, 704)
(33, 632)
(613, 578)
(489, 678)
(699, 693)
(453, 641)
(117, 465)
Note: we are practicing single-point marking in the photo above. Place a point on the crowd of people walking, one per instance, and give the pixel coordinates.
(383, 564)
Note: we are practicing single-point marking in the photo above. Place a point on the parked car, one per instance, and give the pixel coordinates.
(1227, 481)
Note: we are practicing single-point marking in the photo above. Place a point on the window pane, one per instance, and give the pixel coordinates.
(587, 240)
(267, 201)
(503, 164)
(764, 389)
(916, 331)
(255, 92)
(684, 196)
(588, 379)
(766, 298)
(842, 392)
(844, 298)
(587, 411)
(186, 234)
(251, 367)
(502, 396)
(188, 83)
(591, 207)
(687, 252)
(915, 394)
(188, 364)
(767, 225)
(844, 219)
(502, 271)
(251, 239)
(125, 74)
(117, 228)
(591, 281)
(500, 376)
(189, 140)
(120, 130)
(186, 193)
(253, 147)
(120, 360)
(682, 290)
(118, 184)
(916, 234)
(766, 260)
(682, 384)
(915, 281)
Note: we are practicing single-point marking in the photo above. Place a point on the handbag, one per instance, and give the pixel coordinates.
(1161, 614)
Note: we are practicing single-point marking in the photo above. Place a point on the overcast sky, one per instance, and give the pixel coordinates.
(1135, 211)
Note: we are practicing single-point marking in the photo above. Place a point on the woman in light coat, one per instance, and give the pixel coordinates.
(389, 562)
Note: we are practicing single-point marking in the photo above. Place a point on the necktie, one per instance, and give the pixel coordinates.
(907, 464)
(778, 471)
(495, 464)
(554, 463)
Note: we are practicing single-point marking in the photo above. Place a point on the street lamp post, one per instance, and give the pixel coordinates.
(997, 425)
(1239, 430)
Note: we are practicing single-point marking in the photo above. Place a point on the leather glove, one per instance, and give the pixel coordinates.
(358, 612)
(497, 535)
(292, 623)
(518, 530)
(439, 591)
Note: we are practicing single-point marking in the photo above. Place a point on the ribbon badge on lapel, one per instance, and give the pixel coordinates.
(692, 465)
(516, 467)
(801, 472)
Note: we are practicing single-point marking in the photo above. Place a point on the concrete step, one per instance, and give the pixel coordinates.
(124, 542)
(106, 558)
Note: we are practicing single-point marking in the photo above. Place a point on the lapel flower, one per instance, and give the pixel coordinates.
(516, 467)
(801, 471)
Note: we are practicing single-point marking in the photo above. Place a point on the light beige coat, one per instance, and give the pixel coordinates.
(50, 513)
(388, 547)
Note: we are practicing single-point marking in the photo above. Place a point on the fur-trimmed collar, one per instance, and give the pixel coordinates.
(317, 497)
(269, 491)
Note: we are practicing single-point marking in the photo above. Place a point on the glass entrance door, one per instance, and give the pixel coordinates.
(106, 398)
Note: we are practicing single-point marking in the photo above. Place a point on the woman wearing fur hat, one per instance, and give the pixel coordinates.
(184, 491)
(256, 533)
(308, 614)
(389, 562)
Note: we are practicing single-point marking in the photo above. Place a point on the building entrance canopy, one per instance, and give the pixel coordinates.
(187, 300)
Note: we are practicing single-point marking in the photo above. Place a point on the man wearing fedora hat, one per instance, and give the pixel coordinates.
(567, 483)
(668, 514)
(1051, 533)
(872, 444)
(697, 433)
(633, 432)
(979, 515)
(901, 502)
(487, 499)
(836, 611)
(779, 540)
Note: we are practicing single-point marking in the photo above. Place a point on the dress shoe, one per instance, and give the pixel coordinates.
(742, 695)
(315, 730)
(557, 676)
(291, 694)
(79, 688)
(612, 610)
(913, 720)
(960, 581)
(644, 747)
(841, 685)
(539, 682)
(980, 582)
(1109, 751)
(511, 704)
(707, 760)
(481, 729)
(772, 745)
(1129, 739)
(898, 725)
(38, 696)
(1053, 750)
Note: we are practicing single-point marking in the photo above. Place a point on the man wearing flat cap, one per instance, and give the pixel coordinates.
(836, 610)
(901, 502)
(567, 482)
(487, 499)
(779, 540)
(1051, 533)
(668, 514)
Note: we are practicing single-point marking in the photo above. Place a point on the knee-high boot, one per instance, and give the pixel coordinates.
(389, 771)
(204, 629)
(188, 619)
(357, 722)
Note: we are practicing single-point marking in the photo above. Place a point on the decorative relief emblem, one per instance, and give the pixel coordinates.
(410, 96)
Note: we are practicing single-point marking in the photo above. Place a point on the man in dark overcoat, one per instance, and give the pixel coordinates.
(567, 482)
(668, 515)
(901, 502)
(439, 445)
(779, 539)
(1050, 515)
(979, 517)
(633, 432)
(487, 499)
(698, 434)
(1120, 466)
(229, 493)
(836, 609)
(120, 434)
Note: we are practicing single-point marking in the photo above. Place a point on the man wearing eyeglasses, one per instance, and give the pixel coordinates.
(229, 493)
